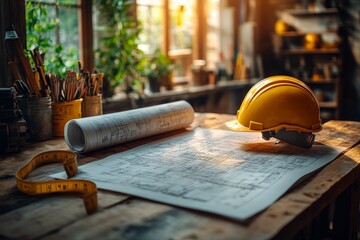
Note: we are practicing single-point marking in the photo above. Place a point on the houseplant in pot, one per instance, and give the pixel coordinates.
(158, 71)
(119, 55)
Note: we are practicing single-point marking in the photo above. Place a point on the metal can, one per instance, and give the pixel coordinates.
(92, 106)
(39, 118)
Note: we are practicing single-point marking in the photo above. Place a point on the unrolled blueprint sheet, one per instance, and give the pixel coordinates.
(228, 173)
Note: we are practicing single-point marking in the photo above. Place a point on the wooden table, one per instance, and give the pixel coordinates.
(324, 205)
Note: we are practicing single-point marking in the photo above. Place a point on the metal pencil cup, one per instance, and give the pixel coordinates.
(38, 117)
(64, 112)
(92, 106)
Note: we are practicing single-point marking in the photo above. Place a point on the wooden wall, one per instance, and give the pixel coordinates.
(12, 13)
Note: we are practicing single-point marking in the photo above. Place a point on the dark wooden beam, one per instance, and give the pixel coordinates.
(12, 13)
(166, 21)
(86, 34)
(201, 30)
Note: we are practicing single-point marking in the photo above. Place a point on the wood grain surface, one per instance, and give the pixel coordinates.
(325, 205)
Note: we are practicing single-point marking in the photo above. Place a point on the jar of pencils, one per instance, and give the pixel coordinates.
(62, 112)
(38, 116)
(92, 106)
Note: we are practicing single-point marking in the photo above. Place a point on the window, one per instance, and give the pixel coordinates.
(181, 24)
(57, 21)
(181, 32)
(213, 32)
(150, 13)
(168, 25)
(184, 29)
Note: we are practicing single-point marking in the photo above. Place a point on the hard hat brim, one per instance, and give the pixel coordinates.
(236, 126)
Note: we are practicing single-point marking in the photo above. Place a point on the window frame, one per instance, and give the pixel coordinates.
(86, 42)
(186, 55)
(85, 36)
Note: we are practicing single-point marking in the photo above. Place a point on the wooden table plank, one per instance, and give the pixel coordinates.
(140, 219)
(308, 200)
(51, 213)
(63, 216)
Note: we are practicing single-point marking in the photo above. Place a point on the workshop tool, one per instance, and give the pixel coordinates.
(68, 158)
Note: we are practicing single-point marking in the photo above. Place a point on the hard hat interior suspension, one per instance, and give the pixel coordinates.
(301, 139)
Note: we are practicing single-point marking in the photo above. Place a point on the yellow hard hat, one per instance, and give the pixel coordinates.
(278, 102)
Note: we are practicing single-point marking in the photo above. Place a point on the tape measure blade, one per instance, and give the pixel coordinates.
(68, 158)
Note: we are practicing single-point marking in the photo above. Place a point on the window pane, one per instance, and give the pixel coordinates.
(181, 24)
(149, 2)
(68, 27)
(58, 25)
(46, 1)
(213, 32)
(68, 2)
(52, 15)
(151, 20)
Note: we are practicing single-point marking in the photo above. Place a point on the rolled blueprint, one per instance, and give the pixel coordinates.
(91, 133)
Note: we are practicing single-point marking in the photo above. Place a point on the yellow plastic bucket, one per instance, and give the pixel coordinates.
(64, 112)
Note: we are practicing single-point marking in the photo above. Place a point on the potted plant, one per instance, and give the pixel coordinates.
(158, 69)
(119, 55)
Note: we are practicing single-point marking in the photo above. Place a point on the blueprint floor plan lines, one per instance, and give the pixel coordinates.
(227, 173)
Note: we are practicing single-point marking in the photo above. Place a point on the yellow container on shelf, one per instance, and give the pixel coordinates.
(311, 41)
(64, 112)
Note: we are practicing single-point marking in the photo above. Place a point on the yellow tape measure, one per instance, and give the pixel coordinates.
(68, 158)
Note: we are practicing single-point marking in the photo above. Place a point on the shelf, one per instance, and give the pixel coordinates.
(312, 13)
(311, 21)
(331, 104)
(318, 62)
(291, 34)
(320, 82)
(312, 51)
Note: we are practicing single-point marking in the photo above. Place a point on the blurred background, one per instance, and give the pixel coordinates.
(209, 52)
